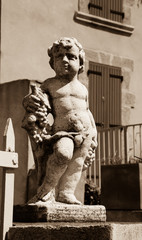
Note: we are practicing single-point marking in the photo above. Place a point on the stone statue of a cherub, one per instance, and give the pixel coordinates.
(67, 147)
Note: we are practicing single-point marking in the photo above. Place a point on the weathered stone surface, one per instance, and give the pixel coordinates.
(76, 231)
(61, 231)
(128, 99)
(127, 231)
(92, 55)
(83, 6)
(127, 15)
(123, 62)
(65, 148)
(105, 57)
(126, 115)
(59, 212)
(126, 79)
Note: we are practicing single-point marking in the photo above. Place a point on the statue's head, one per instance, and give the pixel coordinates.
(66, 42)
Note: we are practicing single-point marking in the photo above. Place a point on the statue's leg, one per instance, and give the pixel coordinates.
(56, 166)
(72, 175)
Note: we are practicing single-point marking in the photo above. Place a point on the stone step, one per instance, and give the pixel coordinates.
(59, 212)
(75, 231)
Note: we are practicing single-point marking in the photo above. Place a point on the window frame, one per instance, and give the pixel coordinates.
(82, 16)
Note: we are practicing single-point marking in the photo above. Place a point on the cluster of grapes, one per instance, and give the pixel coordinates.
(37, 123)
(91, 155)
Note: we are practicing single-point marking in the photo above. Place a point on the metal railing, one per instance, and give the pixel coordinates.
(116, 145)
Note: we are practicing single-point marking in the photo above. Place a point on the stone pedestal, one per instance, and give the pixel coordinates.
(76, 231)
(59, 212)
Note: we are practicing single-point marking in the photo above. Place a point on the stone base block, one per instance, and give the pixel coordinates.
(76, 231)
(59, 212)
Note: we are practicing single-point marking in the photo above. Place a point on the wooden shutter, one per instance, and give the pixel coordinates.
(105, 94)
(96, 7)
(115, 79)
(116, 13)
(110, 9)
(95, 92)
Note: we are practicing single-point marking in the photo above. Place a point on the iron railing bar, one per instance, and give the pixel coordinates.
(99, 164)
(133, 140)
(140, 137)
(108, 146)
(114, 154)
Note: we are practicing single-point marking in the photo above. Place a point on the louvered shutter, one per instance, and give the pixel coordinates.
(95, 92)
(116, 13)
(115, 96)
(96, 7)
(105, 94)
(109, 9)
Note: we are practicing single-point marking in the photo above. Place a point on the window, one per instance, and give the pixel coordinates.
(105, 94)
(110, 9)
(106, 15)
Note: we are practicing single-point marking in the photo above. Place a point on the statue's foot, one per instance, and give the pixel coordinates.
(48, 197)
(68, 198)
(43, 192)
(33, 200)
(43, 195)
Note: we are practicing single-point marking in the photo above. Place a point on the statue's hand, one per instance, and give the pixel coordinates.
(94, 143)
(36, 101)
(31, 103)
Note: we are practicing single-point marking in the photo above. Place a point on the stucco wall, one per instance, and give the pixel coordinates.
(29, 27)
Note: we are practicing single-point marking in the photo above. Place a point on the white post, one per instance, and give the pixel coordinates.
(8, 160)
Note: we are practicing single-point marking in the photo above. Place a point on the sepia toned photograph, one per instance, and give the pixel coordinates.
(70, 120)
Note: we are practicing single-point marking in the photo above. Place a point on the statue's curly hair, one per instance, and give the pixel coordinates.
(66, 42)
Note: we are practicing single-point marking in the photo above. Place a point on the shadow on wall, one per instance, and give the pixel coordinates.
(11, 96)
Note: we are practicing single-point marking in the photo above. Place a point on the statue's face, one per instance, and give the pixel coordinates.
(66, 61)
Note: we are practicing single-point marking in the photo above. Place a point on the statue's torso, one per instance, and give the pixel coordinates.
(69, 105)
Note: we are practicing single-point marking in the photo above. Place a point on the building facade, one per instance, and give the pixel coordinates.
(110, 32)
